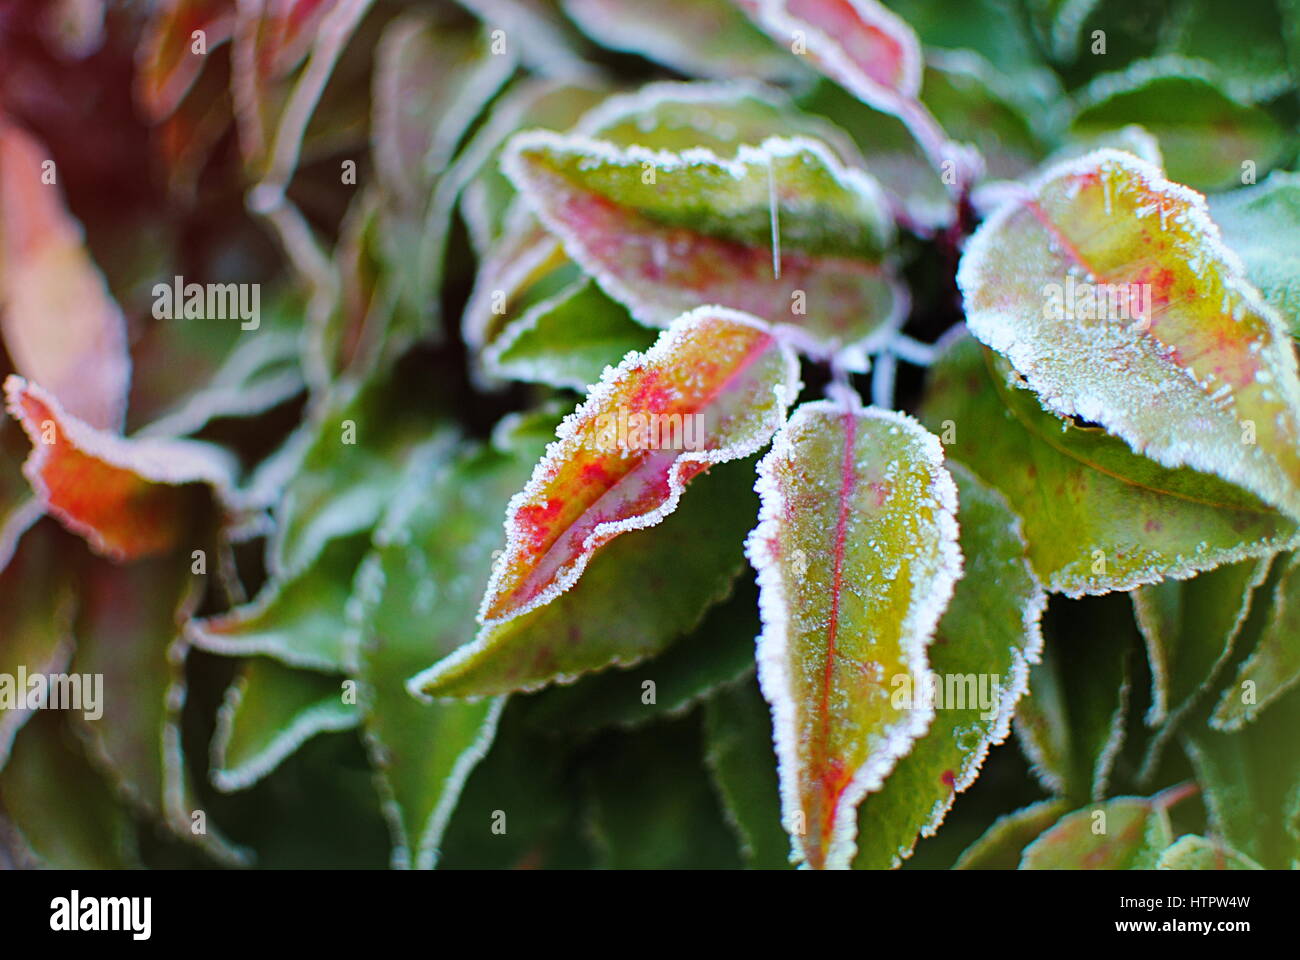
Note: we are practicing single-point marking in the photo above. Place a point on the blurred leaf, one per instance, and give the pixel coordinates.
(298, 620)
(127, 497)
(1251, 783)
(37, 605)
(1003, 844)
(1199, 853)
(1261, 224)
(361, 439)
(858, 43)
(416, 598)
(706, 38)
(1090, 528)
(1242, 38)
(135, 650)
(485, 192)
(268, 713)
(1074, 731)
(1127, 833)
(519, 809)
(431, 83)
(783, 231)
(1191, 343)
(741, 757)
(650, 805)
(621, 463)
(66, 815)
(856, 553)
(567, 340)
(168, 61)
(1072, 723)
(45, 273)
(1273, 666)
(1190, 627)
(1184, 107)
(980, 660)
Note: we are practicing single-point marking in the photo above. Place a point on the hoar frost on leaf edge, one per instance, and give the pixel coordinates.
(998, 328)
(773, 643)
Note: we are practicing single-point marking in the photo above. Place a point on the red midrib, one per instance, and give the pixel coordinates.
(848, 481)
(1071, 250)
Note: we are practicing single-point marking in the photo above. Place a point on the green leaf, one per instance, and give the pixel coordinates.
(269, 712)
(1251, 783)
(718, 651)
(709, 38)
(667, 820)
(485, 192)
(1003, 844)
(417, 595)
(299, 621)
(783, 231)
(66, 815)
(353, 453)
(1273, 667)
(1184, 106)
(1191, 629)
(1093, 525)
(980, 660)
(1072, 724)
(518, 270)
(37, 605)
(621, 463)
(431, 83)
(1175, 334)
(741, 757)
(138, 652)
(1261, 224)
(1244, 39)
(1127, 833)
(856, 553)
(1201, 853)
(567, 340)
(521, 807)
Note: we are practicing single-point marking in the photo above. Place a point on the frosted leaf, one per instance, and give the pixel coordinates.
(1002, 845)
(128, 497)
(566, 340)
(1158, 337)
(782, 231)
(268, 713)
(1097, 516)
(845, 624)
(713, 388)
(1262, 226)
(1183, 106)
(296, 618)
(980, 659)
(858, 43)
